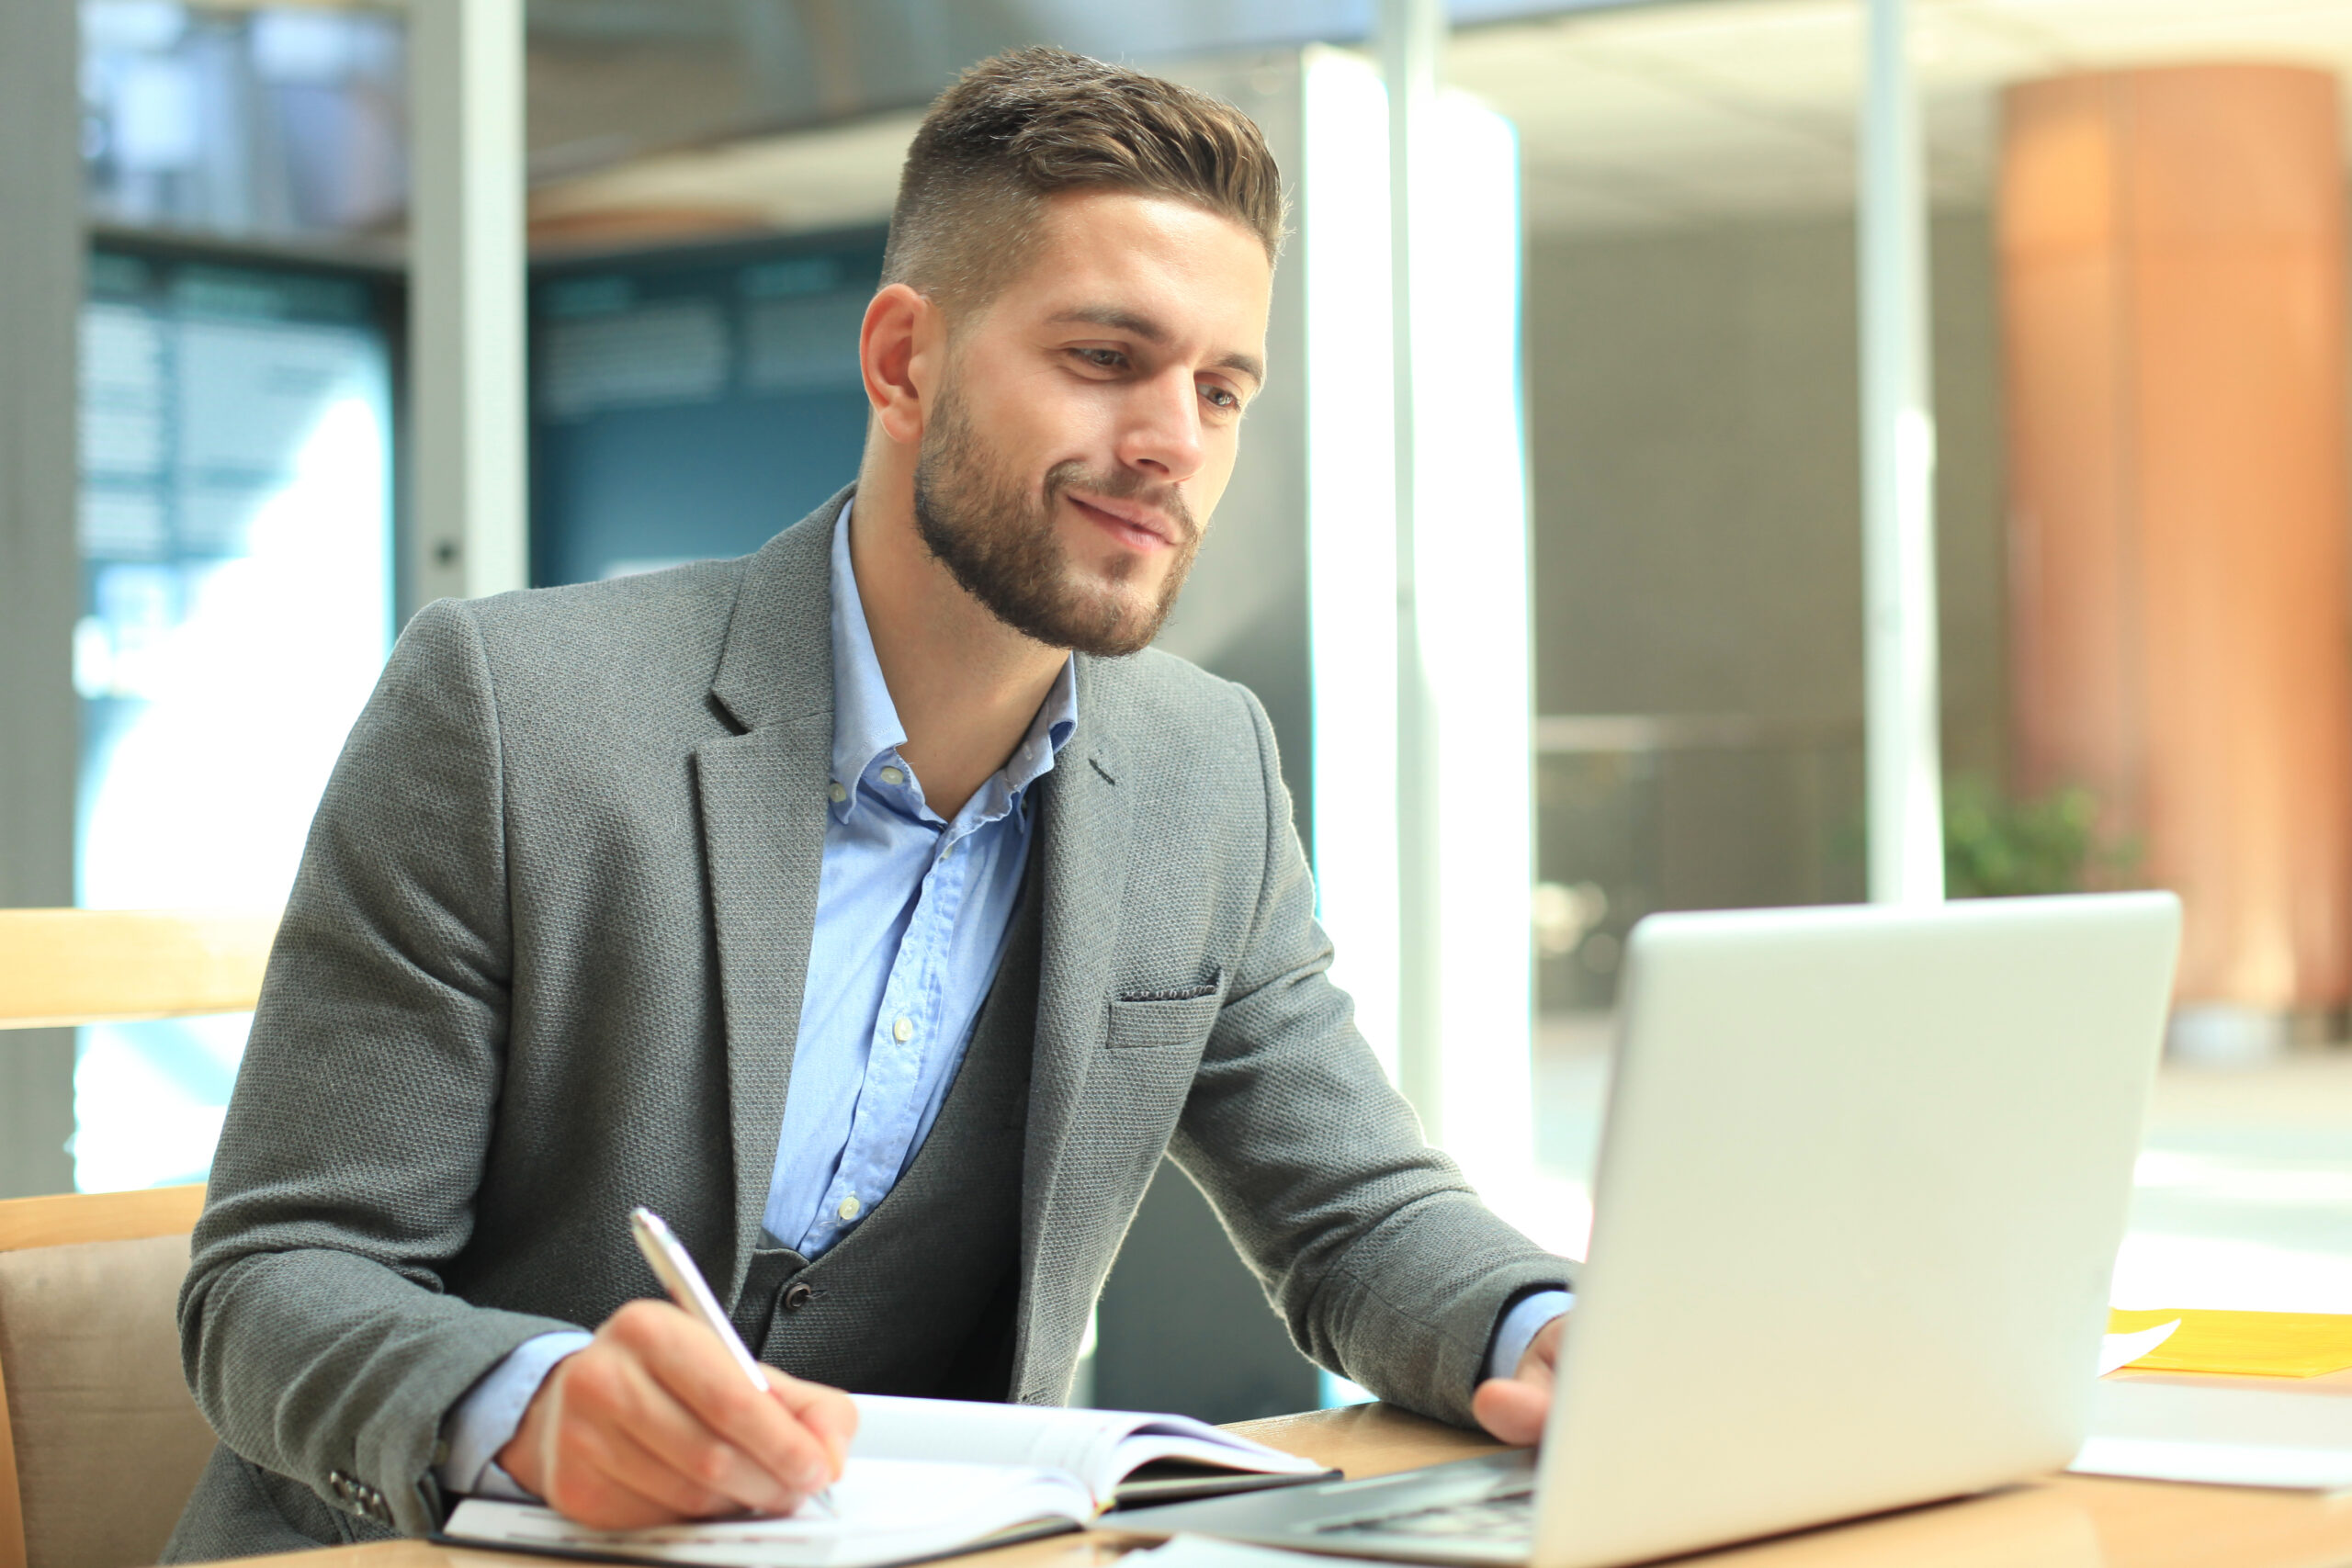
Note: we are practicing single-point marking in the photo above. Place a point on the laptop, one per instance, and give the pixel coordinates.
(1861, 1185)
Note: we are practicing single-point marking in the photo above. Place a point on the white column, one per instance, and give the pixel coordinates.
(40, 582)
(1412, 37)
(1905, 763)
(1470, 606)
(466, 279)
(1343, 246)
(1465, 973)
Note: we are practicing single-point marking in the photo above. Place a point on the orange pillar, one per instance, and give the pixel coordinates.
(2174, 281)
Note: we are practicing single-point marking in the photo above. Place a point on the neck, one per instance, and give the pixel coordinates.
(965, 685)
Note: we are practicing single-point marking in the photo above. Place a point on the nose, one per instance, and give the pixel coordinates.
(1160, 434)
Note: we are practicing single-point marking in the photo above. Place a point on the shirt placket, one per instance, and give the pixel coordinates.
(904, 1035)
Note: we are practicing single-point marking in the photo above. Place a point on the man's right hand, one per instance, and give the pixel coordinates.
(654, 1422)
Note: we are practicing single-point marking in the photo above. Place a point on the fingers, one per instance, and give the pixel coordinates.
(699, 1413)
(655, 1422)
(627, 1418)
(827, 1412)
(606, 1479)
(1513, 1409)
(571, 1452)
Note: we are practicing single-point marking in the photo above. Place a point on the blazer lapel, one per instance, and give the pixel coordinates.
(762, 794)
(1083, 860)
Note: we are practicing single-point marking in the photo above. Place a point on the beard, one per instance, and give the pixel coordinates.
(999, 543)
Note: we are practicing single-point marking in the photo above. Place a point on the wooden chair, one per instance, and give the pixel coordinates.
(63, 966)
(100, 1442)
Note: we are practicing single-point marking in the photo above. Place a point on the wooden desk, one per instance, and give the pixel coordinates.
(2065, 1521)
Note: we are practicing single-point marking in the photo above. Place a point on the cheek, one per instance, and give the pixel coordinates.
(1206, 486)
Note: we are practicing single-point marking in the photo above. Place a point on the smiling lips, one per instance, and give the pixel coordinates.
(1140, 528)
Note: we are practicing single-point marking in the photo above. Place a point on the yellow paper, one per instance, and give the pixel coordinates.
(2256, 1344)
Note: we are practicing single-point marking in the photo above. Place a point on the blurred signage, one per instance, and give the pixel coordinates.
(236, 540)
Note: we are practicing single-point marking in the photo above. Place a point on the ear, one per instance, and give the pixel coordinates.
(894, 347)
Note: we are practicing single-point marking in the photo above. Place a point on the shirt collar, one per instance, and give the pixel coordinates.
(1056, 720)
(865, 721)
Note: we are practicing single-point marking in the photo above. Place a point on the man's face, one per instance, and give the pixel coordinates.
(1089, 418)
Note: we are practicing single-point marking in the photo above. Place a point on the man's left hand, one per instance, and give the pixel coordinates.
(1513, 1408)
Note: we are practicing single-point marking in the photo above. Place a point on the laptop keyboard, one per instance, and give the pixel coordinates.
(1504, 1516)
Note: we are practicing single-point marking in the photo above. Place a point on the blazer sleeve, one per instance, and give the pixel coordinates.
(1369, 1243)
(315, 1328)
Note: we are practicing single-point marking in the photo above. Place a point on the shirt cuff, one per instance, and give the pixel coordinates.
(484, 1421)
(1520, 1325)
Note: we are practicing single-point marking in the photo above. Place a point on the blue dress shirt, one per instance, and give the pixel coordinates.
(912, 914)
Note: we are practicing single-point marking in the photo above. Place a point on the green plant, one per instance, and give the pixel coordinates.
(1996, 847)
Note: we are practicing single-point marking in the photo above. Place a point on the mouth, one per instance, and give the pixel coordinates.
(1139, 527)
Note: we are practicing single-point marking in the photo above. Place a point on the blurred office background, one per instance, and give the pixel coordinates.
(1631, 507)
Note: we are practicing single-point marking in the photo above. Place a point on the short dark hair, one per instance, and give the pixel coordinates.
(1028, 124)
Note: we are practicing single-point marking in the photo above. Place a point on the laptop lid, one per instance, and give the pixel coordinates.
(1865, 1176)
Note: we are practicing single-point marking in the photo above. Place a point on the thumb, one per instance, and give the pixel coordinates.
(1513, 1409)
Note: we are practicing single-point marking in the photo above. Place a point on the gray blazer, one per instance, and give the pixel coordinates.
(543, 962)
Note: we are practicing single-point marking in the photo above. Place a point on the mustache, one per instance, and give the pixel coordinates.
(1124, 484)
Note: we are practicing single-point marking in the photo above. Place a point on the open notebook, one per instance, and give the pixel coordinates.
(929, 1476)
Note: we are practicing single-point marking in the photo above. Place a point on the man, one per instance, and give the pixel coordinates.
(877, 908)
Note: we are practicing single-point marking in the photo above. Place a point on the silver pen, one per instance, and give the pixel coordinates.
(674, 1266)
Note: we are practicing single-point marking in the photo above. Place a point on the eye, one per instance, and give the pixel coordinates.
(1101, 358)
(1221, 397)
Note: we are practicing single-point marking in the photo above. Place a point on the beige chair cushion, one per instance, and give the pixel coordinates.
(108, 1443)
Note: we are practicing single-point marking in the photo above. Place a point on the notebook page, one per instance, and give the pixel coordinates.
(884, 1511)
(1098, 1447)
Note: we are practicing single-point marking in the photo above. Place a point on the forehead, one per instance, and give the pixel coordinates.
(1199, 275)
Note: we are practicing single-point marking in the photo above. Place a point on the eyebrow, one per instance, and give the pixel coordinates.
(1144, 327)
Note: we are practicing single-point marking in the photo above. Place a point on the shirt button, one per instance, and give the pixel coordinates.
(839, 794)
(893, 777)
(903, 1031)
(850, 1206)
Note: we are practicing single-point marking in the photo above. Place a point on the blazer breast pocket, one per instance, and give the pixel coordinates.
(1174, 1018)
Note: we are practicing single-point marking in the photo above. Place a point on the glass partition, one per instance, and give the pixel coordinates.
(1691, 356)
(2141, 215)
(283, 122)
(236, 532)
